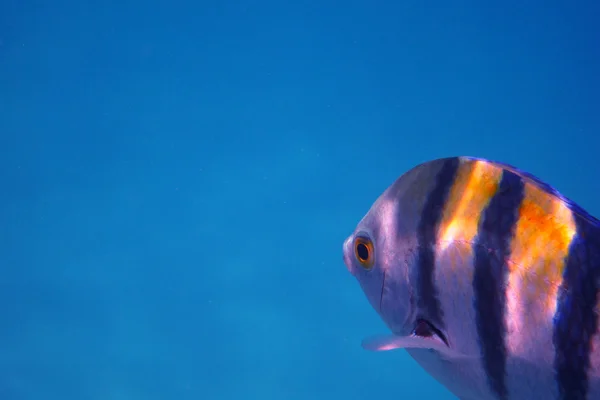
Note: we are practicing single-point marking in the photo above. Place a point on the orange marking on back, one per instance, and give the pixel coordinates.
(541, 242)
(476, 183)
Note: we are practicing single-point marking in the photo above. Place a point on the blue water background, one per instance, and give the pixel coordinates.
(178, 177)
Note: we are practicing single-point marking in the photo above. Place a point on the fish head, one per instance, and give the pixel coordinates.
(382, 250)
(376, 256)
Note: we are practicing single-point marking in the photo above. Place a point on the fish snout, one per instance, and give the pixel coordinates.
(347, 250)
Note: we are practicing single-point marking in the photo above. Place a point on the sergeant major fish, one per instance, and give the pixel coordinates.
(488, 277)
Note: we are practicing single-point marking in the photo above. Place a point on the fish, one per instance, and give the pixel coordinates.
(487, 277)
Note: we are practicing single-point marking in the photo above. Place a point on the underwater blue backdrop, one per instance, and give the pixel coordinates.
(178, 177)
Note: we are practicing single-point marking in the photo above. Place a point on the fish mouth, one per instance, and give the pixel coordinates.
(346, 255)
(425, 328)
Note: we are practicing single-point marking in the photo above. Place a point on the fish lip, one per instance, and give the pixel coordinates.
(346, 255)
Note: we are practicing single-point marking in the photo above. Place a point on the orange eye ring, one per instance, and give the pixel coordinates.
(364, 252)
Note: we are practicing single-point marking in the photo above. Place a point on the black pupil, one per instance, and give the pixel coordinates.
(363, 251)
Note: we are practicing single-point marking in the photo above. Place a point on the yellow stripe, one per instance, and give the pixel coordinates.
(543, 234)
(475, 185)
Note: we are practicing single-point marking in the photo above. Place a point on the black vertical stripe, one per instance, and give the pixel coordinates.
(431, 216)
(576, 321)
(492, 250)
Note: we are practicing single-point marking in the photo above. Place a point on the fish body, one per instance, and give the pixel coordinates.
(488, 277)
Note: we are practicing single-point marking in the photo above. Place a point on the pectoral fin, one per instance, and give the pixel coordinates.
(393, 342)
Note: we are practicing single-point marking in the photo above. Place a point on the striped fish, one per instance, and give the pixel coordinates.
(488, 277)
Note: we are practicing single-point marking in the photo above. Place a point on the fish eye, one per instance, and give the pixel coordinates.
(363, 250)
